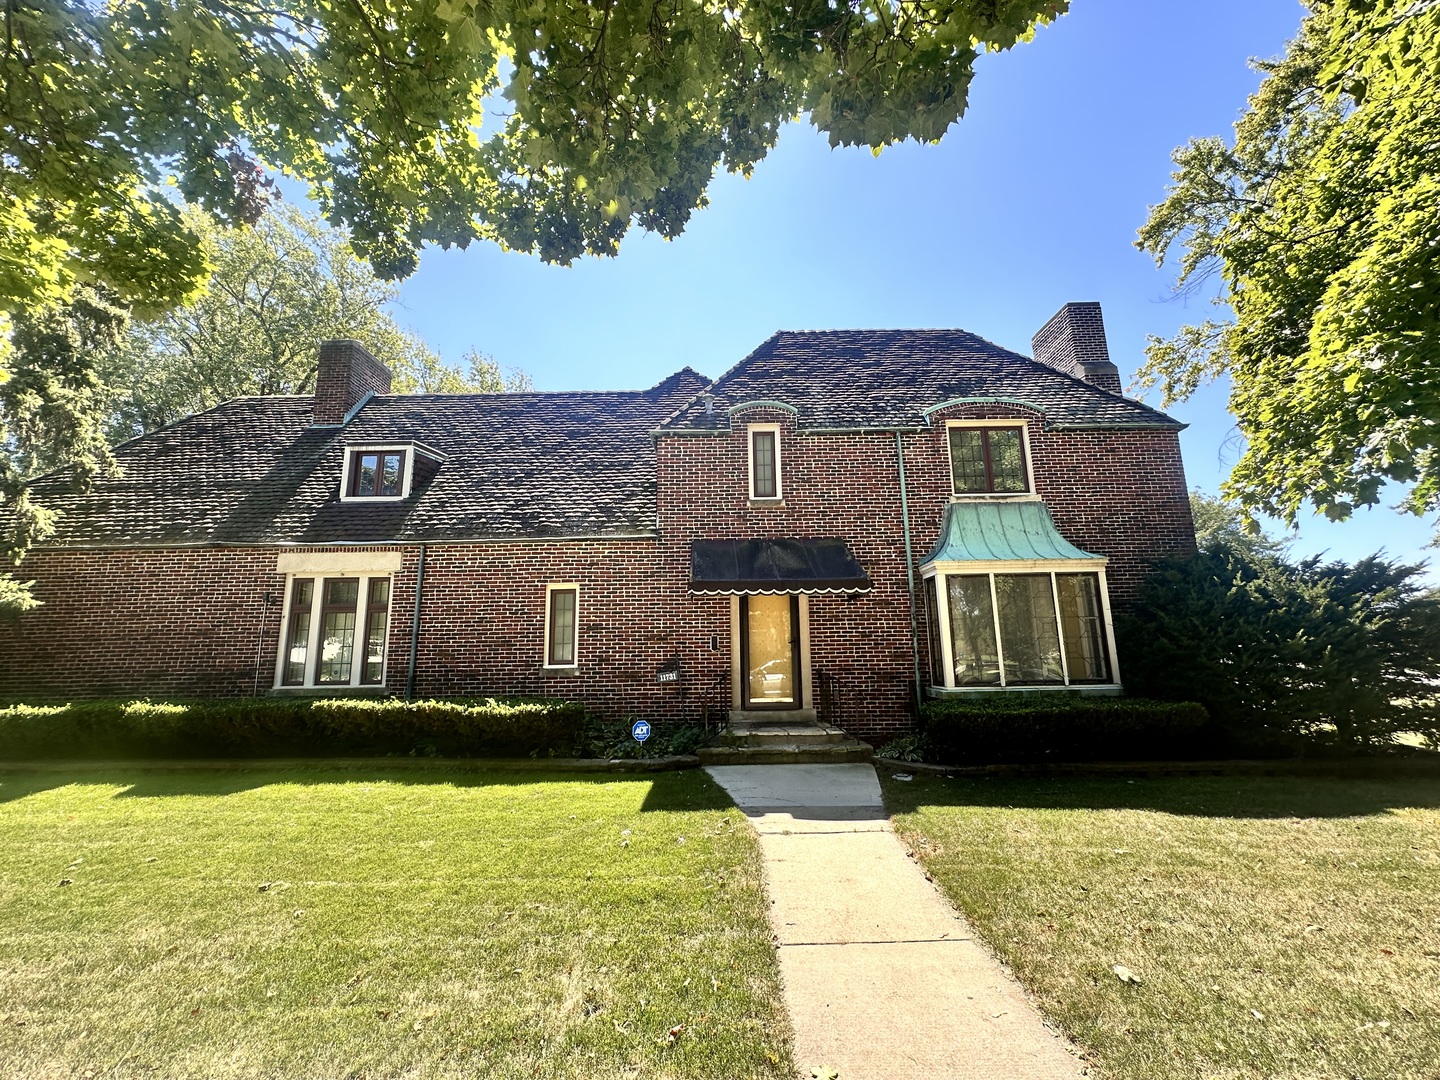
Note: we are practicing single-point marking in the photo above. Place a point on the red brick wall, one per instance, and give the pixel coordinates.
(1121, 494)
(192, 622)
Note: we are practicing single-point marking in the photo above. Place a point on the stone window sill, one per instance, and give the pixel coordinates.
(767, 504)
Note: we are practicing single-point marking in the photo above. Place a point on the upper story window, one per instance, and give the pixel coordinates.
(377, 473)
(988, 459)
(765, 461)
(385, 470)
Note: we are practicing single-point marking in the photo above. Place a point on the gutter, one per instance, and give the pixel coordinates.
(909, 568)
(415, 627)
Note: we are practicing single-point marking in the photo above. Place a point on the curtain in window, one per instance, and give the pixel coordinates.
(972, 631)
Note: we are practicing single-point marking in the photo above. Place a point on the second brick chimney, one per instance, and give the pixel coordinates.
(347, 372)
(1073, 341)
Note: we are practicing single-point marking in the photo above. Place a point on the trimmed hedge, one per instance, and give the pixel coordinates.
(291, 727)
(1061, 728)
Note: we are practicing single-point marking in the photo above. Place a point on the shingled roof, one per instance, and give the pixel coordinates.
(255, 471)
(887, 379)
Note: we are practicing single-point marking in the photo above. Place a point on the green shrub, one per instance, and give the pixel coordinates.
(612, 739)
(281, 727)
(1290, 657)
(1053, 727)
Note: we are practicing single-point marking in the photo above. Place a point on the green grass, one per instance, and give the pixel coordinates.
(431, 923)
(1281, 928)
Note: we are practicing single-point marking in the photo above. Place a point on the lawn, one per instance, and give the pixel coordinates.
(381, 923)
(1279, 928)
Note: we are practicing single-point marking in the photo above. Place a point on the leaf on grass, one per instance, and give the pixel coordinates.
(824, 1072)
(67, 881)
(1125, 975)
(669, 1038)
(1257, 1014)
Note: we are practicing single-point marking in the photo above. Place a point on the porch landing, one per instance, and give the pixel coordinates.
(789, 741)
(883, 979)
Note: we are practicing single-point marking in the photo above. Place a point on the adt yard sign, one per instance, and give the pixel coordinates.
(641, 730)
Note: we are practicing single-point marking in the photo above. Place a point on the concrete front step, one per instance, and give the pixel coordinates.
(846, 752)
(751, 734)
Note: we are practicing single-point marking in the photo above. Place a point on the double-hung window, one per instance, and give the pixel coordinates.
(562, 603)
(335, 631)
(988, 459)
(765, 461)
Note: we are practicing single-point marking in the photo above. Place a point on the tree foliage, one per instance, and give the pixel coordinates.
(1321, 221)
(78, 376)
(615, 114)
(1298, 653)
(1221, 524)
(275, 291)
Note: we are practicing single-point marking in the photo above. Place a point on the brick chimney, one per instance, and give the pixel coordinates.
(347, 372)
(1073, 341)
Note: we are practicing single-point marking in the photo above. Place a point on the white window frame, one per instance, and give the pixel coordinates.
(550, 590)
(312, 645)
(1028, 495)
(750, 464)
(407, 473)
(940, 571)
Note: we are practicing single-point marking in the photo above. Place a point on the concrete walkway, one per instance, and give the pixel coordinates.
(883, 979)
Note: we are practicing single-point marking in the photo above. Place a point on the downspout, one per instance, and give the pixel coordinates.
(415, 627)
(909, 569)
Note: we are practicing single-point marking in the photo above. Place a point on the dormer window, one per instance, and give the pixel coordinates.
(386, 470)
(765, 461)
(377, 474)
(989, 459)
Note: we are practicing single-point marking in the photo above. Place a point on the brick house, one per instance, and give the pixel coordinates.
(842, 516)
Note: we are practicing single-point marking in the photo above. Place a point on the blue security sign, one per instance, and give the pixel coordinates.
(641, 730)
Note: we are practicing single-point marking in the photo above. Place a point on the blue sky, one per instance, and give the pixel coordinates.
(1031, 200)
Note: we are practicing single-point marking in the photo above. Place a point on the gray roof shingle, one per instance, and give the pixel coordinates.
(254, 471)
(886, 379)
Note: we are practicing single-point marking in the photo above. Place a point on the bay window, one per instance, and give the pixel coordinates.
(335, 631)
(1028, 628)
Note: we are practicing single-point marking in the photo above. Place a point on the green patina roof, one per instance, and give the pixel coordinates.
(1001, 530)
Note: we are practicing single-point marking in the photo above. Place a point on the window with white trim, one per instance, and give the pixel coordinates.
(988, 459)
(335, 631)
(377, 472)
(765, 461)
(562, 609)
(1018, 629)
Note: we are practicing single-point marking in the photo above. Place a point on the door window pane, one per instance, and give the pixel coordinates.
(561, 648)
(1027, 629)
(297, 638)
(1083, 627)
(337, 630)
(763, 452)
(972, 630)
(377, 620)
(770, 649)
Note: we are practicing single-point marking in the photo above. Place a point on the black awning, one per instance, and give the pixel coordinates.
(775, 566)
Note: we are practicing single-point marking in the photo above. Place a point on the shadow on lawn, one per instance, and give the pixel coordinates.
(1194, 796)
(668, 791)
